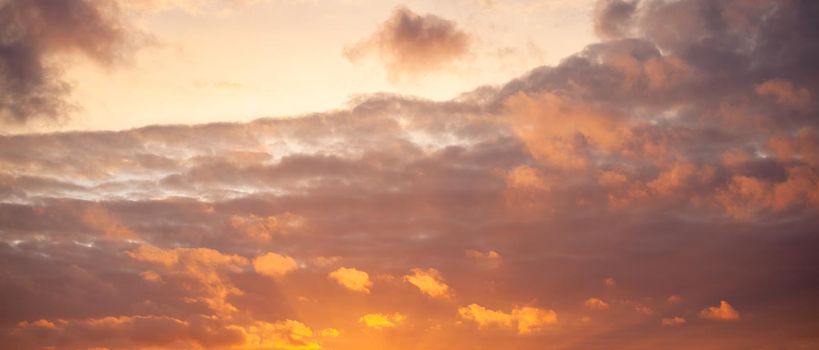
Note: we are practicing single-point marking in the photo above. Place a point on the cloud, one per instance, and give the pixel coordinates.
(595, 304)
(684, 144)
(429, 282)
(784, 93)
(265, 228)
(723, 312)
(490, 259)
(525, 320)
(609, 282)
(202, 272)
(673, 321)
(33, 33)
(612, 17)
(274, 265)
(284, 335)
(352, 279)
(100, 219)
(411, 44)
(382, 321)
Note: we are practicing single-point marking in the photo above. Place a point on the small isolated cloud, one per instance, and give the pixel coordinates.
(490, 259)
(525, 320)
(595, 304)
(673, 321)
(429, 282)
(352, 279)
(274, 265)
(408, 43)
(382, 321)
(609, 282)
(674, 299)
(723, 312)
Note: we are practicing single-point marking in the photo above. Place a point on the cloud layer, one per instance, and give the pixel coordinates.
(678, 156)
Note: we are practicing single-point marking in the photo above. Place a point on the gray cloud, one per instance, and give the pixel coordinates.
(31, 32)
(645, 159)
(411, 44)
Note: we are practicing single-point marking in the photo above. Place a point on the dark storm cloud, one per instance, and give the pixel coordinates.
(32, 32)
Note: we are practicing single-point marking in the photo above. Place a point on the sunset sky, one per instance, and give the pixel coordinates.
(425, 175)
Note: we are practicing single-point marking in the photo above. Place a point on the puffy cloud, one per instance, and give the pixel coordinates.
(274, 265)
(723, 312)
(525, 320)
(33, 32)
(284, 335)
(409, 43)
(595, 304)
(612, 17)
(382, 321)
(203, 271)
(429, 282)
(352, 279)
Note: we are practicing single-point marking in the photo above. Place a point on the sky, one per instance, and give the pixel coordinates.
(352, 174)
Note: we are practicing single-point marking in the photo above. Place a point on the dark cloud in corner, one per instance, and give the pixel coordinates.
(409, 43)
(31, 32)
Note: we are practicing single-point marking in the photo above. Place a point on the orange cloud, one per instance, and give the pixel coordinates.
(723, 312)
(673, 321)
(785, 93)
(274, 265)
(382, 321)
(100, 219)
(204, 267)
(595, 304)
(352, 279)
(525, 320)
(430, 282)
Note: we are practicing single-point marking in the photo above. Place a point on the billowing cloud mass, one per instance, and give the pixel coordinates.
(409, 43)
(677, 156)
(352, 279)
(32, 32)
